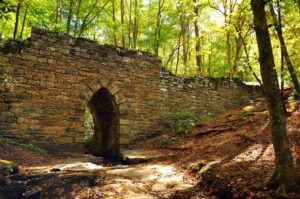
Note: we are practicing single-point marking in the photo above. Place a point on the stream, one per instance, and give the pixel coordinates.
(94, 177)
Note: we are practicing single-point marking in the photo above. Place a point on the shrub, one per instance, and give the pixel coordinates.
(181, 120)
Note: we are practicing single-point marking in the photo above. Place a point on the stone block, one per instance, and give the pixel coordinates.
(124, 141)
(30, 57)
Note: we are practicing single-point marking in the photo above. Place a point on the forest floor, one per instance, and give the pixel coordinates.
(229, 156)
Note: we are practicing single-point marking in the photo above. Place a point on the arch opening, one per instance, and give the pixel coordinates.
(105, 116)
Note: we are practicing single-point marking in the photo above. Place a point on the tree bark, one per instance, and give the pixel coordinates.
(17, 18)
(71, 2)
(238, 49)
(129, 23)
(278, 28)
(178, 52)
(114, 21)
(24, 21)
(122, 6)
(58, 11)
(158, 26)
(197, 35)
(248, 62)
(77, 17)
(135, 24)
(284, 178)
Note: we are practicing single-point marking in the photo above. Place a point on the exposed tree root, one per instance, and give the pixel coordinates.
(208, 131)
(283, 186)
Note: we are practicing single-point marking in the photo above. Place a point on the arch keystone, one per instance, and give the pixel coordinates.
(95, 85)
(104, 82)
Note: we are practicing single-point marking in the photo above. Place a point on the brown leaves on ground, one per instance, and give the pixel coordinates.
(241, 141)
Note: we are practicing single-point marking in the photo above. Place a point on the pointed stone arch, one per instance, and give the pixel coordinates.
(104, 90)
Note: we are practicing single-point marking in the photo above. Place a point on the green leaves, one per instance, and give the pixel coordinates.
(181, 120)
(6, 7)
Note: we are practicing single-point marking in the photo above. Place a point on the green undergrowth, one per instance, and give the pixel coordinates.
(27, 146)
(182, 120)
(179, 122)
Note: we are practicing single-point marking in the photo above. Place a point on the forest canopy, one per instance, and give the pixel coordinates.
(193, 37)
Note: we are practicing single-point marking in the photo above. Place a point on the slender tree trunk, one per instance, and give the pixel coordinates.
(85, 21)
(129, 23)
(178, 52)
(17, 18)
(122, 6)
(237, 55)
(228, 36)
(158, 27)
(228, 50)
(197, 35)
(77, 17)
(58, 11)
(114, 21)
(284, 177)
(184, 48)
(248, 61)
(183, 33)
(71, 2)
(170, 57)
(135, 23)
(285, 53)
(24, 21)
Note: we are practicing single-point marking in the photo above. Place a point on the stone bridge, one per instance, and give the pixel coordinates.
(56, 77)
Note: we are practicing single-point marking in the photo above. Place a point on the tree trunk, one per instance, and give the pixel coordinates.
(58, 11)
(17, 18)
(122, 6)
(70, 16)
(248, 62)
(85, 21)
(278, 28)
(237, 55)
(114, 21)
(197, 35)
(284, 178)
(178, 52)
(129, 23)
(77, 17)
(135, 24)
(158, 27)
(183, 33)
(24, 21)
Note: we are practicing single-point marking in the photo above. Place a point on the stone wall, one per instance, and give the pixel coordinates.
(55, 76)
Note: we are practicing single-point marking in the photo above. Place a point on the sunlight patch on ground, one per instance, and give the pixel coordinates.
(76, 166)
(152, 179)
(248, 108)
(251, 154)
(258, 153)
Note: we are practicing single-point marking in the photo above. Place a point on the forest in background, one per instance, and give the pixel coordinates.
(193, 37)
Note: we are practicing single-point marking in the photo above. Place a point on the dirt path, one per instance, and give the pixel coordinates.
(90, 177)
